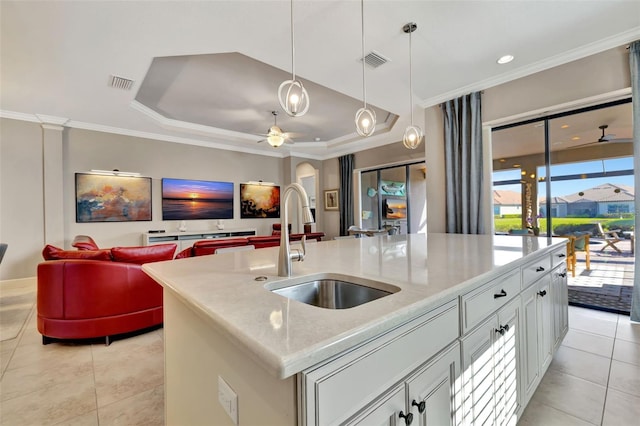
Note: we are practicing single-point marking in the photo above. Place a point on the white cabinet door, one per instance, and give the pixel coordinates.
(478, 374)
(507, 364)
(560, 302)
(537, 334)
(529, 348)
(434, 391)
(384, 411)
(545, 323)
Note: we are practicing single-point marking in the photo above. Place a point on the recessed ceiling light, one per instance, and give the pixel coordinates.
(505, 59)
(564, 126)
(502, 160)
(575, 138)
(516, 165)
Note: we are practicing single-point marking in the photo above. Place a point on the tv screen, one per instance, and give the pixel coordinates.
(184, 199)
(394, 208)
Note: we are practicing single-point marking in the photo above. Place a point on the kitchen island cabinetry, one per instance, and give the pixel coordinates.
(466, 308)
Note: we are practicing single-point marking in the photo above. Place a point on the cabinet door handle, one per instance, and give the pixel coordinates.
(503, 329)
(539, 269)
(561, 255)
(542, 293)
(408, 418)
(501, 294)
(421, 407)
(563, 274)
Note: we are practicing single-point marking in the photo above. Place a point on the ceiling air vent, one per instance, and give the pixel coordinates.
(374, 59)
(120, 82)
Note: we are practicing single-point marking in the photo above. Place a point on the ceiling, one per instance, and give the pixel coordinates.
(202, 69)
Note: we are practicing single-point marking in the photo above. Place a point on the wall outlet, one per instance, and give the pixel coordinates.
(228, 399)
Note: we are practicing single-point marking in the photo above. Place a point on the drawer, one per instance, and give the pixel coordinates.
(535, 270)
(558, 256)
(340, 388)
(482, 302)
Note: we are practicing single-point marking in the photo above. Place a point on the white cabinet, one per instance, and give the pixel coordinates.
(560, 300)
(359, 384)
(430, 396)
(434, 391)
(490, 365)
(537, 333)
(186, 239)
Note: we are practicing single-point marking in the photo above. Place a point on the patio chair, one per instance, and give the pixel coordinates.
(577, 243)
(610, 237)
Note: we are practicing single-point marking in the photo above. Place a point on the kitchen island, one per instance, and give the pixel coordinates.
(456, 299)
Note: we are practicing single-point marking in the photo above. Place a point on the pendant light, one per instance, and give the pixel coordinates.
(365, 117)
(292, 95)
(413, 134)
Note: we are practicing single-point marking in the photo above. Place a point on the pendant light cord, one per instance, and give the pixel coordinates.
(293, 65)
(364, 84)
(410, 75)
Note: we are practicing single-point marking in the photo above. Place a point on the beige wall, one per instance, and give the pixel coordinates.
(21, 197)
(83, 150)
(21, 176)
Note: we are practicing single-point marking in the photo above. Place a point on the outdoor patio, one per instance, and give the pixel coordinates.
(608, 284)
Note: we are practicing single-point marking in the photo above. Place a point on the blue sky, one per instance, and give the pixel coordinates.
(566, 187)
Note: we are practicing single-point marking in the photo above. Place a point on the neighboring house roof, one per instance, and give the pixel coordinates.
(606, 192)
(554, 200)
(506, 198)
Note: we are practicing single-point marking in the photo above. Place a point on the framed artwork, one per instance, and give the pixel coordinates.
(185, 199)
(104, 198)
(331, 199)
(259, 201)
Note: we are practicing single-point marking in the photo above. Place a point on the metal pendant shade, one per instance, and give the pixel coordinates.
(365, 117)
(292, 95)
(413, 135)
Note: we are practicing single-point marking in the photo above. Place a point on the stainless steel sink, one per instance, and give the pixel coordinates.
(331, 293)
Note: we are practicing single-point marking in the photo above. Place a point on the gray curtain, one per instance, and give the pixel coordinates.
(346, 192)
(463, 162)
(634, 64)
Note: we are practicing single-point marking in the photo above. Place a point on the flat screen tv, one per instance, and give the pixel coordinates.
(185, 199)
(394, 208)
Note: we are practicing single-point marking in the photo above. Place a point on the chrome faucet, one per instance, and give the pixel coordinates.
(285, 256)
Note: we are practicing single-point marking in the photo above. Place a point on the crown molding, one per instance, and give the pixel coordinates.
(554, 61)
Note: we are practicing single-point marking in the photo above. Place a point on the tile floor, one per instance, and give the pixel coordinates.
(593, 380)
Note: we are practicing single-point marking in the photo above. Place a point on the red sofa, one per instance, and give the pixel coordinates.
(98, 293)
(205, 247)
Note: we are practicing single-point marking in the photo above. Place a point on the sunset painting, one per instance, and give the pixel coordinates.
(259, 201)
(184, 199)
(101, 198)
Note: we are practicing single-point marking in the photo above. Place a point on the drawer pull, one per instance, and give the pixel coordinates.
(542, 293)
(421, 407)
(408, 418)
(561, 255)
(539, 269)
(501, 294)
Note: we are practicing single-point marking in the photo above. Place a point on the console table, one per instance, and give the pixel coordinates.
(187, 238)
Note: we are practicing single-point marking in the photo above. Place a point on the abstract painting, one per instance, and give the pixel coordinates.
(259, 201)
(103, 198)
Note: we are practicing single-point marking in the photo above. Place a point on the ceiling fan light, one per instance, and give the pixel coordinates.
(275, 140)
(365, 121)
(293, 98)
(412, 137)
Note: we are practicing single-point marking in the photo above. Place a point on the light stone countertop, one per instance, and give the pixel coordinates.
(286, 336)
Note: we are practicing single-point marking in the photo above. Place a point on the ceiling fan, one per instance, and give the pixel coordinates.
(605, 138)
(275, 135)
